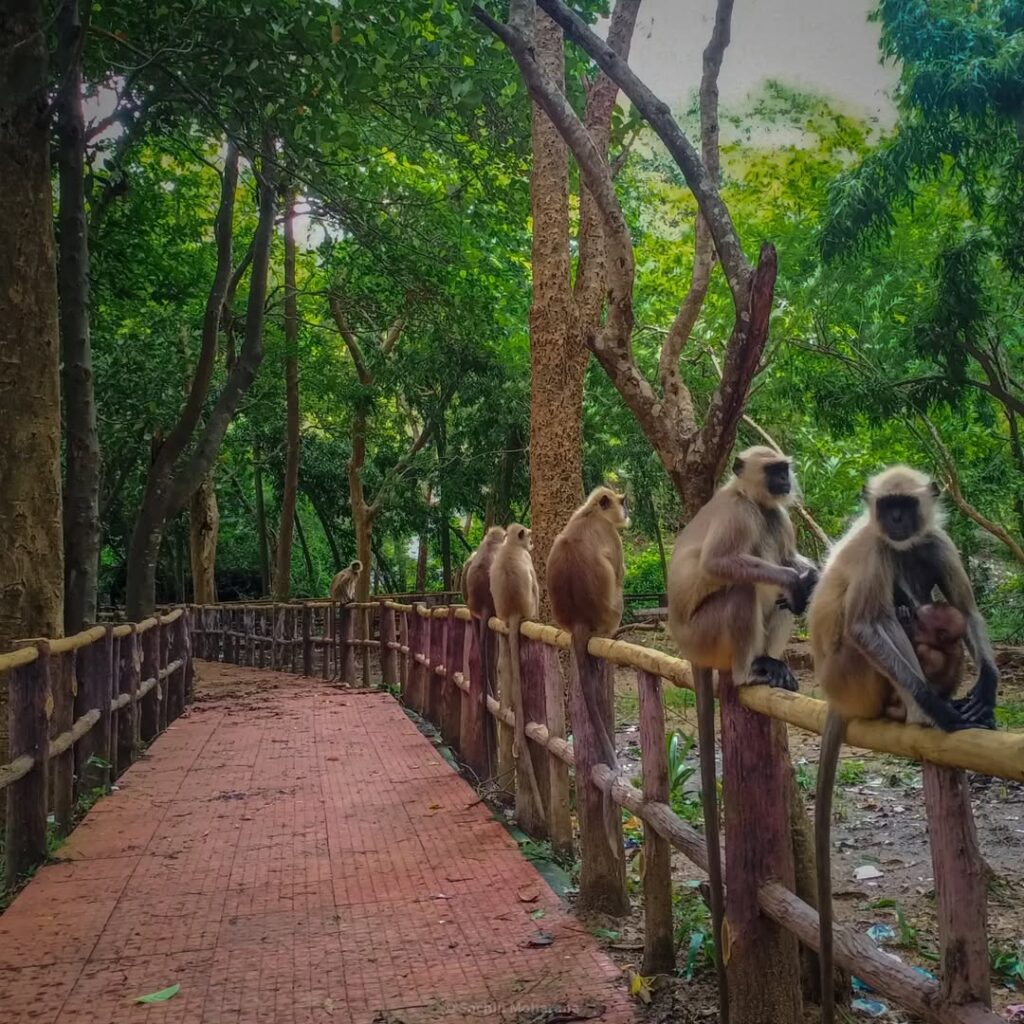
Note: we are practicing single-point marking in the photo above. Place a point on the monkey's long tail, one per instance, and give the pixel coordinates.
(831, 738)
(580, 640)
(712, 840)
(485, 640)
(518, 706)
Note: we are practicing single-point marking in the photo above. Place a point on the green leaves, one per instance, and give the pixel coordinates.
(162, 996)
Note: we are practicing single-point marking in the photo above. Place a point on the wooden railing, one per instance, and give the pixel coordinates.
(81, 709)
(431, 656)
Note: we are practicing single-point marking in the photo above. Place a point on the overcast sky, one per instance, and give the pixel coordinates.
(825, 45)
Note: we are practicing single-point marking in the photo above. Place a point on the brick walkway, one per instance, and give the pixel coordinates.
(290, 853)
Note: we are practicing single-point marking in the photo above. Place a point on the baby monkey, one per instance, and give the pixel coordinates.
(937, 633)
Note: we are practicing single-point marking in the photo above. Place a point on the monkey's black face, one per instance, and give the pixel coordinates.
(777, 479)
(899, 516)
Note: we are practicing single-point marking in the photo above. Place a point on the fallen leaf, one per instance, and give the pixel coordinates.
(538, 914)
(539, 938)
(866, 872)
(162, 996)
(435, 807)
(328, 1005)
(639, 986)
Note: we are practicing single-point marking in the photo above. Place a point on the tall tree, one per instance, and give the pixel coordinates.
(31, 555)
(176, 470)
(563, 310)
(289, 494)
(82, 458)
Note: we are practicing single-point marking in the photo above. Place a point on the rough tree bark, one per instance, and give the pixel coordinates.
(174, 475)
(562, 311)
(82, 456)
(204, 528)
(290, 491)
(31, 555)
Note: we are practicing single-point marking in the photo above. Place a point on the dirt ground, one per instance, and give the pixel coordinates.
(880, 821)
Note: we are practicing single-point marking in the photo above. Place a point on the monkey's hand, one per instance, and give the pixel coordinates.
(905, 615)
(795, 597)
(765, 671)
(978, 713)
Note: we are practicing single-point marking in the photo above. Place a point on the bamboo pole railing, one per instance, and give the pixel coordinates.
(80, 710)
(431, 656)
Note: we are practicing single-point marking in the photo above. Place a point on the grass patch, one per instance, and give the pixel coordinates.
(1010, 715)
(851, 773)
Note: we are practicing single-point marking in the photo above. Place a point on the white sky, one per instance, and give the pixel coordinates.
(827, 46)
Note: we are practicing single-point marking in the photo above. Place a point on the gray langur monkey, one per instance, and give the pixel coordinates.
(517, 598)
(734, 584)
(343, 586)
(895, 555)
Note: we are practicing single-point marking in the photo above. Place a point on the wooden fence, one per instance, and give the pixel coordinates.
(430, 654)
(80, 710)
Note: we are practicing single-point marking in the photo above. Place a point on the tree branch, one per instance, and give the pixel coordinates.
(394, 332)
(995, 387)
(956, 494)
(346, 332)
(672, 385)
(700, 182)
(399, 468)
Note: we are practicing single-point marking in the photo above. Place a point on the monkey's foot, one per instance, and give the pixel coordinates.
(977, 714)
(765, 671)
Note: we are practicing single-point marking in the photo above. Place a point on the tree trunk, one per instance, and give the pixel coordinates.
(31, 555)
(422, 558)
(82, 484)
(283, 577)
(261, 520)
(362, 522)
(306, 557)
(558, 357)
(204, 526)
(174, 476)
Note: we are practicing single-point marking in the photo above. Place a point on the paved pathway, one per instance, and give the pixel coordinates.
(289, 853)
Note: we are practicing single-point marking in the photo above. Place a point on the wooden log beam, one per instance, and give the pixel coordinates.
(532, 819)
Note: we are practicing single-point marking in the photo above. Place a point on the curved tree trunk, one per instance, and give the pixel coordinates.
(31, 555)
(558, 357)
(283, 576)
(204, 527)
(82, 484)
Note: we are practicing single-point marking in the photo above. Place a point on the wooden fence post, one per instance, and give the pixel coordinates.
(128, 743)
(307, 640)
(388, 655)
(364, 631)
(63, 687)
(475, 726)
(200, 625)
(260, 630)
(325, 643)
(95, 690)
(419, 647)
(603, 872)
(961, 887)
(533, 819)
(436, 680)
(149, 705)
(403, 659)
(231, 635)
(187, 683)
(346, 652)
(762, 958)
(455, 664)
(28, 704)
(163, 633)
(559, 812)
(248, 627)
(659, 945)
(505, 734)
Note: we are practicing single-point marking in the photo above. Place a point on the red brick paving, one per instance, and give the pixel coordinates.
(291, 853)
